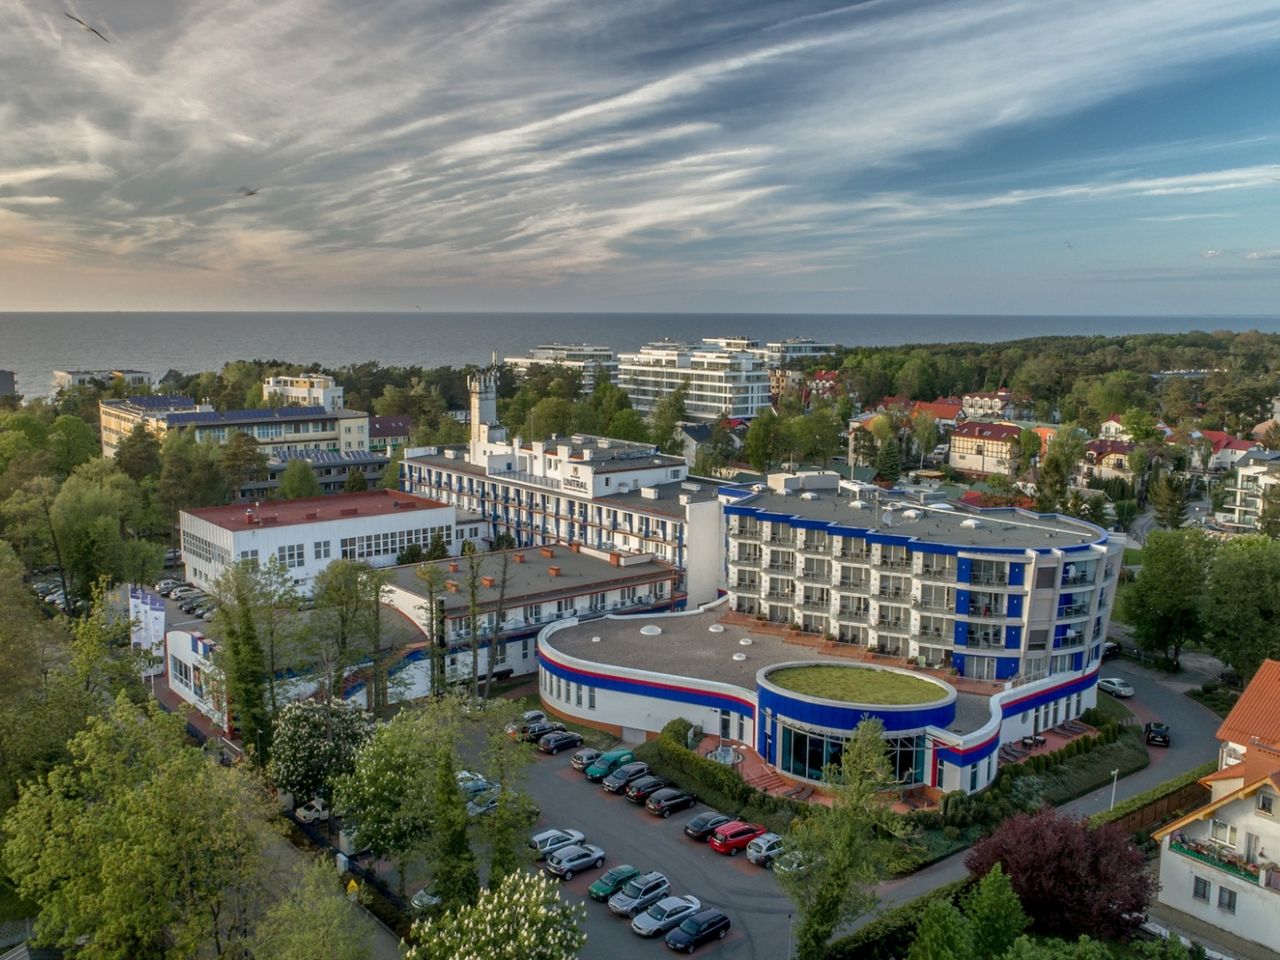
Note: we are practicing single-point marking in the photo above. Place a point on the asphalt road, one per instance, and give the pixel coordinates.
(757, 908)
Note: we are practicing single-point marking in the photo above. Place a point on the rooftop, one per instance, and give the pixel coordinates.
(832, 682)
(1001, 528)
(316, 456)
(577, 572)
(1255, 713)
(338, 506)
(202, 417)
(397, 426)
(688, 647)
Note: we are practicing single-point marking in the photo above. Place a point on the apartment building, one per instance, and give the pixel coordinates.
(1247, 495)
(589, 359)
(783, 353)
(330, 467)
(607, 494)
(1106, 460)
(719, 381)
(307, 390)
(996, 404)
(389, 434)
(983, 448)
(278, 430)
(66, 379)
(991, 594)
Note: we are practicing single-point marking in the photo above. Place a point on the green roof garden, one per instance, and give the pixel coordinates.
(856, 684)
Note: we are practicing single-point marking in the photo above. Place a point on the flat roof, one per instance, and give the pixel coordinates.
(1005, 527)
(580, 572)
(687, 647)
(337, 506)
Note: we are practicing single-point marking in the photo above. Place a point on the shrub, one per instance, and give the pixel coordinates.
(891, 934)
(1148, 797)
(951, 832)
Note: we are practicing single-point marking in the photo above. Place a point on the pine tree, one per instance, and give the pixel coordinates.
(888, 461)
(1169, 501)
(995, 914)
(943, 934)
(245, 674)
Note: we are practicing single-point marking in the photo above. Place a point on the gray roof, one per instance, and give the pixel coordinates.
(1007, 528)
(688, 648)
(580, 572)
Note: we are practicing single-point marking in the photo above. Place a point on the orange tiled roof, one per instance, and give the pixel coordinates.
(1255, 713)
(1261, 762)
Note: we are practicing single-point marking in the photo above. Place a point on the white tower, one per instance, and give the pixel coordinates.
(485, 429)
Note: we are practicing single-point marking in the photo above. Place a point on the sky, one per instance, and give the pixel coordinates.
(1006, 156)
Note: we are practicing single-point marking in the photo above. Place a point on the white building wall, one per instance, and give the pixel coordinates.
(318, 390)
(191, 673)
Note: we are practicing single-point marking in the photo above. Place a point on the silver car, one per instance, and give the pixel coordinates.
(549, 841)
(639, 893)
(567, 861)
(665, 915)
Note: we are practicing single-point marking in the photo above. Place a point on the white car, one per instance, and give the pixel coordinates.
(1115, 686)
(312, 810)
(549, 841)
(667, 913)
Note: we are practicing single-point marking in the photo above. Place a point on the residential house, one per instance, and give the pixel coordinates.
(1113, 429)
(1224, 450)
(1258, 474)
(1218, 863)
(996, 405)
(983, 448)
(1106, 460)
(389, 434)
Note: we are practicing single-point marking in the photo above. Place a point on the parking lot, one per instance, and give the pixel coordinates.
(749, 895)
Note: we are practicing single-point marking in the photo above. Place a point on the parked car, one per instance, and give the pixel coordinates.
(424, 901)
(704, 824)
(549, 841)
(172, 558)
(611, 881)
(167, 586)
(638, 791)
(559, 740)
(1230, 678)
(517, 728)
(618, 781)
(639, 893)
(697, 930)
(476, 786)
(584, 758)
(1156, 732)
(536, 731)
(181, 593)
(192, 600)
(312, 811)
(1115, 686)
(606, 763)
(764, 849)
(665, 914)
(734, 836)
(567, 861)
(663, 802)
(1110, 650)
(483, 803)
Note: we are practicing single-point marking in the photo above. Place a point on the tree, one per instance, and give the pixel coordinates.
(523, 918)
(314, 744)
(355, 482)
(244, 673)
(504, 758)
(762, 446)
(242, 460)
(267, 593)
(1244, 579)
(1165, 604)
(433, 578)
(1169, 500)
(413, 553)
(138, 454)
(391, 472)
(298, 481)
(1269, 516)
(437, 549)
(313, 920)
(449, 858)
(139, 848)
(667, 416)
(1140, 425)
(629, 424)
(347, 627)
(924, 433)
(863, 447)
(1126, 511)
(496, 646)
(1271, 437)
(71, 443)
(943, 933)
(1029, 445)
(888, 461)
(995, 914)
(1069, 877)
(844, 845)
(190, 473)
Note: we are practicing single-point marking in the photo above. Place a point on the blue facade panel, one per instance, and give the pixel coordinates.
(672, 692)
(1006, 667)
(1015, 605)
(964, 570)
(962, 634)
(962, 600)
(845, 719)
(1017, 574)
(1013, 638)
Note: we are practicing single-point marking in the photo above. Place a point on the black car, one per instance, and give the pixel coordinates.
(638, 791)
(559, 740)
(536, 731)
(697, 930)
(1110, 650)
(1156, 733)
(704, 825)
(618, 781)
(663, 801)
(584, 758)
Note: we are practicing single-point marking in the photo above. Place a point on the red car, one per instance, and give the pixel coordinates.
(734, 836)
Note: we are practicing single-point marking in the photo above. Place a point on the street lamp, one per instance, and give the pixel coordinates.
(1115, 775)
(790, 928)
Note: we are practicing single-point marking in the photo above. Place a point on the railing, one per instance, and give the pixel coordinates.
(983, 614)
(744, 558)
(852, 616)
(1079, 579)
(990, 580)
(1216, 857)
(895, 625)
(823, 606)
(922, 604)
(788, 568)
(780, 595)
(862, 586)
(753, 585)
(858, 557)
(1073, 610)
(811, 575)
(934, 634)
(815, 548)
(937, 573)
(749, 534)
(781, 541)
(895, 563)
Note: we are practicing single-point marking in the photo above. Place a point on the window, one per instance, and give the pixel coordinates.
(1200, 889)
(577, 694)
(1223, 832)
(322, 549)
(1265, 801)
(1045, 578)
(591, 698)
(524, 649)
(1226, 900)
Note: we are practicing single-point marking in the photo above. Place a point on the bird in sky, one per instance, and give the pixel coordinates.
(85, 26)
(250, 193)
(1069, 246)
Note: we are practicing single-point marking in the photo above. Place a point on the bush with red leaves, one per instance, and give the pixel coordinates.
(1072, 879)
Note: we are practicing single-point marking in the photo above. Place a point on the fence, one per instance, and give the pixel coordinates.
(1160, 804)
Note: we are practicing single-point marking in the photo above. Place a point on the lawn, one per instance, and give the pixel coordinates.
(856, 685)
(1132, 556)
(1216, 697)
(1111, 708)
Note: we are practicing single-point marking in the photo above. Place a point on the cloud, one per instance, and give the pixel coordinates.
(1262, 255)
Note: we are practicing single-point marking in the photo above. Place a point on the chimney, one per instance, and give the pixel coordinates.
(248, 515)
(518, 557)
(547, 552)
(575, 547)
(615, 560)
(451, 586)
(487, 581)
(553, 571)
(453, 566)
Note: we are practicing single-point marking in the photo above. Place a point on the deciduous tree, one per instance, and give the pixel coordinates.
(314, 744)
(298, 481)
(1244, 580)
(1166, 604)
(312, 920)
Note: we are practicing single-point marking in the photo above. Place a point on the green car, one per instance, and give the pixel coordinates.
(612, 881)
(606, 763)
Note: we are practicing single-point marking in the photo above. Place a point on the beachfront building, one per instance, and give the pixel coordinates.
(307, 534)
(306, 390)
(67, 379)
(1218, 864)
(794, 350)
(719, 381)
(590, 360)
(980, 448)
(611, 495)
(278, 430)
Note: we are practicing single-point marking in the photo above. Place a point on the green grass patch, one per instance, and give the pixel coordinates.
(1088, 771)
(1216, 697)
(855, 685)
(1133, 556)
(1109, 709)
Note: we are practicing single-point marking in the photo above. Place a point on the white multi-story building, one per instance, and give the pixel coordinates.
(781, 353)
(66, 379)
(589, 359)
(1252, 484)
(307, 534)
(1218, 863)
(307, 390)
(607, 494)
(719, 382)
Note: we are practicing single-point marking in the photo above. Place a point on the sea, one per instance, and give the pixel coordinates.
(33, 345)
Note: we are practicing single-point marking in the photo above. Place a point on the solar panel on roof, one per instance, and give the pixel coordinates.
(240, 416)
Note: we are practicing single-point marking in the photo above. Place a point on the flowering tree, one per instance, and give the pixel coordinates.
(315, 742)
(522, 919)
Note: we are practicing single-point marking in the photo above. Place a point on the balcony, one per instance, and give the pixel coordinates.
(1067, 611)
(935, 634)
(815, 606)
(815, 576)
(894, 563)
(747, 586)
(787, 568)
(784, 596)
(989, 580)
(937, 573)
(924, 603)
(899, 595)
(855, 556)
(822, 549)
(748, 534)
(1219, 857)
(1079, 580)
(781, 541)
(893, 626)
(984, 613)
(747, 560)
(851, 616)
(858, 586)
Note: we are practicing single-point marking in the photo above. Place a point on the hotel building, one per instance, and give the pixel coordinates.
(719, 381)
(589, 359)
(308, 390)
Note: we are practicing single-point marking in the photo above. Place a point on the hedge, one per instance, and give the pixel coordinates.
(890, 935)
(1148, 797)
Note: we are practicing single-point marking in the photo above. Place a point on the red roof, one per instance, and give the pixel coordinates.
(397, 426)
(1102, 448)
(978, 430)
(938, 409)
(1255, 713)
(1225, 441)
(338, 506)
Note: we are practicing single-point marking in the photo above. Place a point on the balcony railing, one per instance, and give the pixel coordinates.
(989, 580)
(786, 595)
(855, 556)
(891, 595)
(862, 586)
(819, 606)
(924, 603)
(895, 563)
(1073, 610)
(851, 616)
(781, 541)
(749, 534)
(815, 576)
(821, 548)
(745, 559)
(937, 573)
(788, 568)
(984, 613)
(1216, 856)
(1080, 579)
(751, 586)
(896, 626)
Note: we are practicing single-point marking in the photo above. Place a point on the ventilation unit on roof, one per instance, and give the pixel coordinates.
(973, 523)
(858, 504)
(808, 495)
(912, 514)
(758, 488)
